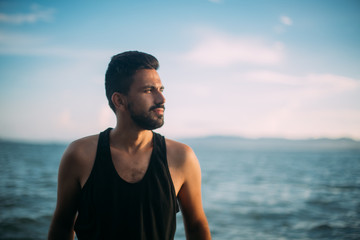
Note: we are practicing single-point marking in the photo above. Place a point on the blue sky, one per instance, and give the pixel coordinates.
(248, 68)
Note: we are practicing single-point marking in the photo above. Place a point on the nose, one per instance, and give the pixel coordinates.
(160, 99)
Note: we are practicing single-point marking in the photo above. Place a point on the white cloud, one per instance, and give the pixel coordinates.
(9, 40)
(219, 49)
(65, 119)
(58, 52)
(37, 14)
(302, 106)
(314, 84)
(262, 103)
(106, 117)
(286, 20)
(21, 44)
(304, 123)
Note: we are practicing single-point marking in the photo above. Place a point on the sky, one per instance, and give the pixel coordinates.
(288, 69)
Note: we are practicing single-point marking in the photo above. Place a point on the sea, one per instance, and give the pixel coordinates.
(251, 189)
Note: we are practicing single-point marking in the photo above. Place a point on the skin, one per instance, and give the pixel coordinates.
(131, 147)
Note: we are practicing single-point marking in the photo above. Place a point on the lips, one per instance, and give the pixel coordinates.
(158, 108)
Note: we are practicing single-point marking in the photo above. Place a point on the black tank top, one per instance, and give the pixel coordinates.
(111, 208)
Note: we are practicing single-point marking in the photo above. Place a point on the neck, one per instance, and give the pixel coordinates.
(129, 138)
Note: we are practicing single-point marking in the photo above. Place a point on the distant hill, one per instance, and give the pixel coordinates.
(282, 144)
(258, 144)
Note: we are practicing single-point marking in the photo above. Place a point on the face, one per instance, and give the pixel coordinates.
(146, 100)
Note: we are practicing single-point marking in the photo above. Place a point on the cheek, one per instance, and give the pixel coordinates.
(141, 104)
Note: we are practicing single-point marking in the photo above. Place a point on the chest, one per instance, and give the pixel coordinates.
(131, 167)
(124, 207)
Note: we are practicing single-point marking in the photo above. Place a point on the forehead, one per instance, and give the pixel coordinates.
(146, 77)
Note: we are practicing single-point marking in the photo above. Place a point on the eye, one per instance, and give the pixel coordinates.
(147, 90)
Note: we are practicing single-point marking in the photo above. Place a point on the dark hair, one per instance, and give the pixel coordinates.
(122, 67)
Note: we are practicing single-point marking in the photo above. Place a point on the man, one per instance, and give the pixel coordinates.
(126, 182)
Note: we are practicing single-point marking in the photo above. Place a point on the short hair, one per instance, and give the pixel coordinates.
(121, 69)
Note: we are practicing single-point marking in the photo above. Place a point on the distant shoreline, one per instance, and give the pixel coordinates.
(240, 143)
(274, 143)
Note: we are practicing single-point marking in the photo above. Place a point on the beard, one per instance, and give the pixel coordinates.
(146, 120)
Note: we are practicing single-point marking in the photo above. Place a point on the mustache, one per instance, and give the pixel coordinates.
(158, 106)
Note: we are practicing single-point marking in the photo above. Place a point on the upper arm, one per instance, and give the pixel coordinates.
(68, 183)
(190, 192)
(68, 193)
(189, 195)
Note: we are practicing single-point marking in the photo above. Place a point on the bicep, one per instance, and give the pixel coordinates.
(68, 193)
(68, 187)
(186, 167)
(190, 192)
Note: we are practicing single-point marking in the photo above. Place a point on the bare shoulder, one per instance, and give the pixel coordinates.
(182, 162)
(79, 158)
(188, 189)
(83, 147)
(179, 153)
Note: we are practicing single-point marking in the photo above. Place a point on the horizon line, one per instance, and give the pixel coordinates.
(184, 138)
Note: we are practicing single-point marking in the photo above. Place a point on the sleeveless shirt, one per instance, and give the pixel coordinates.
(112, 208)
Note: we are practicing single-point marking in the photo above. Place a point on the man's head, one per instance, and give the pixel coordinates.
(134, 89)
(121, 69)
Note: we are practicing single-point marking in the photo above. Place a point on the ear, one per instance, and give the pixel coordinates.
(119, 101)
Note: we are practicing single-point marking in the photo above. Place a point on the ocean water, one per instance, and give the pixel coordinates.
(249, 193)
